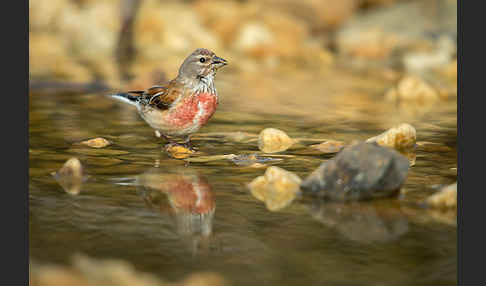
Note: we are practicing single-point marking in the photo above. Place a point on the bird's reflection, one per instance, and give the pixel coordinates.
(189, 196)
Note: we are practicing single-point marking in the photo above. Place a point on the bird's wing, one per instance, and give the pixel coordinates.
(161, 96)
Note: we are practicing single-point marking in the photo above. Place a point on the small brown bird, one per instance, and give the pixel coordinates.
(182, 106)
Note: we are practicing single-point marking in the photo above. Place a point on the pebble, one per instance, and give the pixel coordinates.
(178, 151)
(96, 142)
(401, 137)
(277, 188)
(273, 140)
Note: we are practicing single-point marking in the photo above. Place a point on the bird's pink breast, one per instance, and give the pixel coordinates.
(194, 110)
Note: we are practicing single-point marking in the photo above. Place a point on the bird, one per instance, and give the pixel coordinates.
(180, 107)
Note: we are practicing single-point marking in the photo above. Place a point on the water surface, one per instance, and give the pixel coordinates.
(170, 218)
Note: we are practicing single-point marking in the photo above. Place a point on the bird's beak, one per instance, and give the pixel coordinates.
(219, 62)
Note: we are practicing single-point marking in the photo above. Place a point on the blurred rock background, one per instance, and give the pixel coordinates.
(137, 43)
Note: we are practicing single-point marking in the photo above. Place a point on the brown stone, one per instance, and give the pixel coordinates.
(273, 140)
(277, 188)
(96, 142)
(400, 137)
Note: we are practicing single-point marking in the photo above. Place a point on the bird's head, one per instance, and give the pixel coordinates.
(201, 64)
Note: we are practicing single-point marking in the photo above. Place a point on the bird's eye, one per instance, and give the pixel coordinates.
(202, 60)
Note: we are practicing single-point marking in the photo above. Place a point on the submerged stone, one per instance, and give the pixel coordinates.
(358, 172)
(96, 142)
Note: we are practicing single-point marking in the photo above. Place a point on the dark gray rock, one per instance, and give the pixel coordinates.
(359, 172)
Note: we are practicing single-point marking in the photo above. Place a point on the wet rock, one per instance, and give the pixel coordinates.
(277, 188)
(273, 140)
(445, 198)
(412, 88)
(70, 176)
(401, 137)
(358, 172)
(96, 142)
(328, 147)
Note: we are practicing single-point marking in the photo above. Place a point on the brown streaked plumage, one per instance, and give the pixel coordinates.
(182, 106)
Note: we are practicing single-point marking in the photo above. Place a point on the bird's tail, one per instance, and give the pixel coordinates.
(126, 97)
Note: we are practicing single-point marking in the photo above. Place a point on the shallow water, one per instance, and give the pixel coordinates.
(136, 203)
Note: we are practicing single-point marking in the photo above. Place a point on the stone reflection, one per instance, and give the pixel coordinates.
(361, 221)
(70, 176)
(189, 196)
